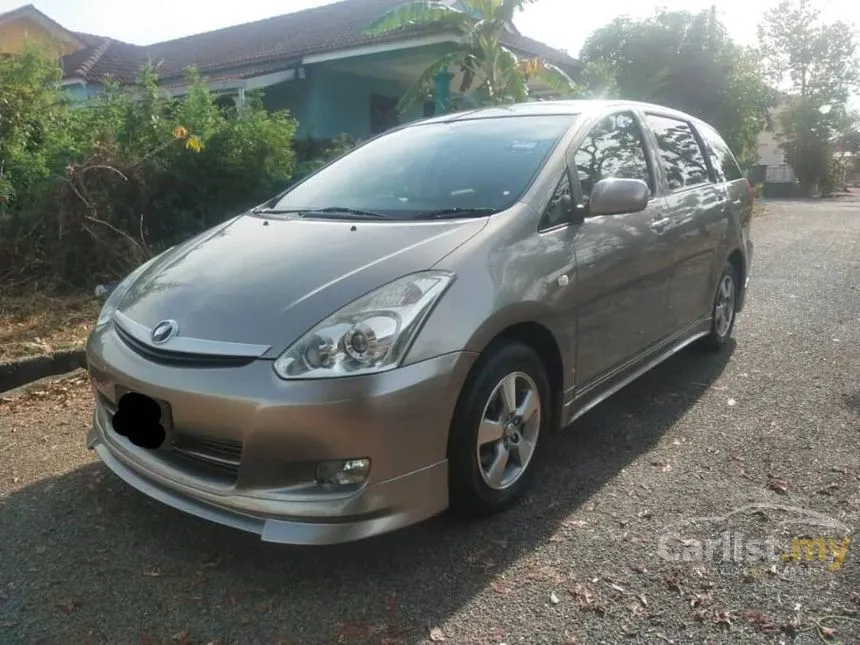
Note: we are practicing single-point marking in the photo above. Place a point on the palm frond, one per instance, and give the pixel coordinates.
(417, 13)
(555, 78)
(482, 9)
(510, 82)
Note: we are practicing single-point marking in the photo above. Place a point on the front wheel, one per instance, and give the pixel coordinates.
(500, 418)
(724, 310)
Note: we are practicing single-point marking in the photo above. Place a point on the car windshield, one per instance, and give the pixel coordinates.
(458, 169)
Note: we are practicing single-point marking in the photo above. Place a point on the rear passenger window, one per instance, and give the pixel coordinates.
(613, 148)
(722, 159)
(680, 153)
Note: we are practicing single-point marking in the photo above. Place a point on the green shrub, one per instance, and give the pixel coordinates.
(87, 192)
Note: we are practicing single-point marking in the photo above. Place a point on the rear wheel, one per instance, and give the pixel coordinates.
(502, 413)
(724, 310)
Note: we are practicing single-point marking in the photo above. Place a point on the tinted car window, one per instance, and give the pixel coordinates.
(722, 159)
(479, 163)
(613, 148)
(680, 153)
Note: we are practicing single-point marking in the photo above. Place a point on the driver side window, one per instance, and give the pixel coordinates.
(613, 148)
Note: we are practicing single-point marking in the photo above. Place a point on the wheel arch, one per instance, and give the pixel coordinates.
(526, 325)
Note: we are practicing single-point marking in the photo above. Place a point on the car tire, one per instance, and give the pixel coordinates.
(485, 431)
(723, 310)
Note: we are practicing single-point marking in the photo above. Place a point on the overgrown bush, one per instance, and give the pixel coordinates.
(87, 192)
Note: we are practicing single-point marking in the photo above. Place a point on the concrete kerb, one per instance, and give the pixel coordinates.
(18, 372)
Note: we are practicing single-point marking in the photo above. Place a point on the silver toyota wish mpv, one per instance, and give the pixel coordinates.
(397, 333)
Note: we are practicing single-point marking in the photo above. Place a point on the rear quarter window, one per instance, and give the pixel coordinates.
(722, 160)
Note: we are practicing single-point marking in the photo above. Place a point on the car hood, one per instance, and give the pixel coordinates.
(267, 281)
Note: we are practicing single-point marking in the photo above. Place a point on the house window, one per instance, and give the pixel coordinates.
(429, 109)
(383, 113)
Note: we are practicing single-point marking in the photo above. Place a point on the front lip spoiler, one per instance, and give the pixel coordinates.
(281, 531)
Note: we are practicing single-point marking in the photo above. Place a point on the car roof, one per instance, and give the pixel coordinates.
(550, 108)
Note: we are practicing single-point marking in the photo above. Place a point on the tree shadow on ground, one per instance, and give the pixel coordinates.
(135, 566)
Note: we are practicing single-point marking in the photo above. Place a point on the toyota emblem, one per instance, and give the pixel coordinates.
(164, 331)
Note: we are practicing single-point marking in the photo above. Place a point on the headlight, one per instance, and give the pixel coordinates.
(119, 292)
(371, 334)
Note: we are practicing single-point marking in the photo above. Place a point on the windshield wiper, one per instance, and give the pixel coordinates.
(350, 213)
(453, 213)
(339, 211)
(275, 211)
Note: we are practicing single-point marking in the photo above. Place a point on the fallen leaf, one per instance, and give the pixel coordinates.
(437, 635)
(352, 630)
(212, 562)
(828, 632)
(778, 485)
(828, 490)
(182, 637)
(391, 603)
(502, 586)
(554, 598)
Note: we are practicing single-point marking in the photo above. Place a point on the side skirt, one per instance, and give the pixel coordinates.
(617, 379)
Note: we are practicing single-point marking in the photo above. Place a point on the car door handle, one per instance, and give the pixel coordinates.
(660, 224)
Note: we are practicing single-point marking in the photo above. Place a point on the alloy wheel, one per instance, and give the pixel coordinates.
(509, 430)
(724, 309)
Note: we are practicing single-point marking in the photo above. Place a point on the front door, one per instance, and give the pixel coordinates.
(623, 262)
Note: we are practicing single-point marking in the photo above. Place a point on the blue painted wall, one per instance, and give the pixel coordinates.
(292, 96)
(329, 102)
(80, 93)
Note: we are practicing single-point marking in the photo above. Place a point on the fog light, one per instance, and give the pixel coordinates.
(347, 472)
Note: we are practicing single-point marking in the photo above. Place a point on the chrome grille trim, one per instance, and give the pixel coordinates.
(167, 357)
(187, 345)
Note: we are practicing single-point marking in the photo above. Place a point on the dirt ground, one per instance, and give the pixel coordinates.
(39, 324)
(640, 527)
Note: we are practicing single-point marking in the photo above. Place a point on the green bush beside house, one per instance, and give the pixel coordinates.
(86, 193)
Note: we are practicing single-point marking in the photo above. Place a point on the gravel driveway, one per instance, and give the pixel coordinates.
(774, 423)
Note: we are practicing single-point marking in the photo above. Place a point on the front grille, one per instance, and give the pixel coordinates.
(179, 359)
(219, 455)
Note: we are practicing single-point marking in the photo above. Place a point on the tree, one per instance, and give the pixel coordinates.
(491, 73)
(816, 64)
(686, 61)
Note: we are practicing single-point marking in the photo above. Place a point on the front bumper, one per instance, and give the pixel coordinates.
(243, 445)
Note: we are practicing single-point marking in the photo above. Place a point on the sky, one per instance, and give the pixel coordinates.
(564, 24)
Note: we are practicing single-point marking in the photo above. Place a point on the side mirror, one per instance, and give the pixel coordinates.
(616, 196)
